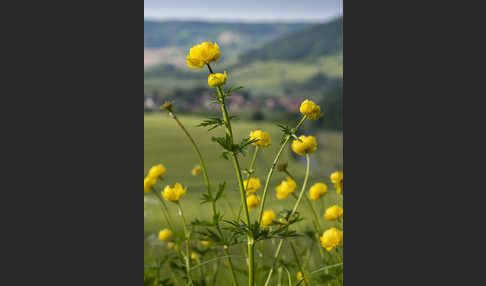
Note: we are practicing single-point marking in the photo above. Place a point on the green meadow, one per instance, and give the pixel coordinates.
(165, 143)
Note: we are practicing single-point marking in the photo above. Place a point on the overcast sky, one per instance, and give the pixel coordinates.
(244, 10)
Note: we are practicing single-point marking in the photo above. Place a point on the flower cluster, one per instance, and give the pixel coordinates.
(317, 191)
(268, 218)
(174, 194)
(203, 54)
(252, 185)
(155, 173)
(285, 188)
(217, 79)
(305, 145)
(165, 234)
(262, 137)
(310, 109)
(337, 180)
(333, 213)
(332, 238)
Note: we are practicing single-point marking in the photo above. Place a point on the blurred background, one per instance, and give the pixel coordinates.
(282, 52)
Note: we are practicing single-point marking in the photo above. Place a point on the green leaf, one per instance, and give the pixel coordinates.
(220, 192)
(212, 123)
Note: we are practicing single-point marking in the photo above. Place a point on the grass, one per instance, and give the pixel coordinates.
(165, 143)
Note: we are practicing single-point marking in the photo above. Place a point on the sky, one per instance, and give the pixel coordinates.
(244, 10)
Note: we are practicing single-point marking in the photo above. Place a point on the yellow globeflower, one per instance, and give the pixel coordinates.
(196, 170)
(337, 179)
(217, 79)
(194, 256)
(165, 234)
(207, 242)
(309, 108)
(263, 138)
(252, 201)
(203, 54)
(252, 186)
(333, 213)
(300, 276)
(306, 145)
(285, 188)
(317, 191)
(148, 184)
(267, 218)
(156, 171)
(174, 194)
(331, 238)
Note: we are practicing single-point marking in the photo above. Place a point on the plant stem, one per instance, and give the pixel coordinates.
(168, 218)
(165, 211)
(297, 260)
(229, 132)
(207, 182)
(297, 203)
(251, 171)
(272, 168)
(187, 236)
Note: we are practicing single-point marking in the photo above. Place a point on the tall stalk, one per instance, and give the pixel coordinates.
(294, 209)
(251, 171)
(188, 237)
(207, 182)
(229, 132)
(168, 218)
(272, 169)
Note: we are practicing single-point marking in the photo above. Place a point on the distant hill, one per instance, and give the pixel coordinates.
(234, 37)
(305, 62)
(306, 44)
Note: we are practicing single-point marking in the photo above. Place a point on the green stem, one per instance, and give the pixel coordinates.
(187, 236)
(301, 269)
(229, 132)
(168, 218)
(165, 210)
(207, 182)
(297, 203)
(251, 171)
(272, 168)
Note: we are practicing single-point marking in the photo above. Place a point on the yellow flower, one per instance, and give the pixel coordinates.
(300, 276)
(337, 179)
(148, 184)
(165, 234)
(170, 245)
(333, 213)
(285, 188)
(312, 110)
(317, 191)
(203, 54)
(196, 170)
(174, 194)
(331, 238)
(267, 218)
(252, 201)
(263, 138)
(194, 256)
(217, 79)
(307, 145)
(156, 171)
(252, 186)
(207, 242)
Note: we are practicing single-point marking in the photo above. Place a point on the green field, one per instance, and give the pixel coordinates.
(165, 143)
